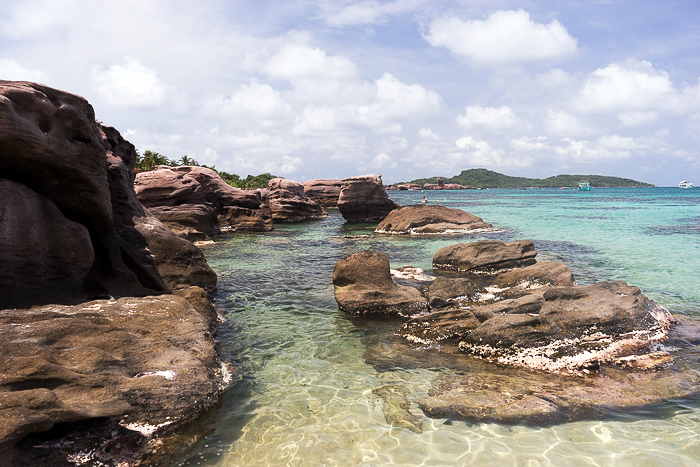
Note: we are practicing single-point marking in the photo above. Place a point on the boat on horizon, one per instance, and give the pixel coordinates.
(685, 184)
(584, 185)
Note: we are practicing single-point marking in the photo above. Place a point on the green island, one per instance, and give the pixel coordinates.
(484, 178)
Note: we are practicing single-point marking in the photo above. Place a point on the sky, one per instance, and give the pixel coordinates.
(309, 89)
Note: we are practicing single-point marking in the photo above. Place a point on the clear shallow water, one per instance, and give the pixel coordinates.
(303, 390)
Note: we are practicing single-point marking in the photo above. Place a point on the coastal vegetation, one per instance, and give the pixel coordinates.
(151, 159)
(489, 179)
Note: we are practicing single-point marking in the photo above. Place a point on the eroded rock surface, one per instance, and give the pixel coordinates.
(363, 286)
(431, 219)
(485, 256)
(194, 222)
(364, 199)
(187, 185)
(324, 192)
(145, 362)
(289, 203)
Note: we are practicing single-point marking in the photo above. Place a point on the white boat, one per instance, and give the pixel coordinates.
(685, 184)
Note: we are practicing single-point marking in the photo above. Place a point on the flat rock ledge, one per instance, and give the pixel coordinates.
(492, 306)
(431, 220)
(134, 369)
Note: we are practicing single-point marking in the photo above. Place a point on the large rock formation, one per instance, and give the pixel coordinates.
(51, 144)
(364, 199)
(324, 192)
(363, 286)
(149, 364)
(72, 230)
(288, 203)
(431, 219)
(238, 210)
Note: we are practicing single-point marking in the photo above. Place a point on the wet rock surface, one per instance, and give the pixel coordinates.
(363, 286)
(364, 199)
(288, 202)
(519, 341)
(471, 389)
(431, 219)
(148, 363)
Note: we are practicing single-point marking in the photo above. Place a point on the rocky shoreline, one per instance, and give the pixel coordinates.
(107, 330)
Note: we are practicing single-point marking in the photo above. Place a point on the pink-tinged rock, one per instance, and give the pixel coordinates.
(289, 203)
(431, 219)
(324, 192)
(364, 199)
(485, 256)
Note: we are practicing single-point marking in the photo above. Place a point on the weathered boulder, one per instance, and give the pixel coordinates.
(288, 203)
(175, 186)
(453, 291)
(140, 362)
(431, 219)
(364, 199)
(42, 254)
(194, 222)
(575, 328)
(324, 192)
(363, 286)
(51, 143)
(485, 256)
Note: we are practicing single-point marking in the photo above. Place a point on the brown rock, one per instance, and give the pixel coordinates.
(363, 285)
(50, 142)
(364, 199)
(194, 222)
(288, 203)
(576, 328)
(324, 192)
(141, 360)
(431, 219)
(44, 257)
(485, 256)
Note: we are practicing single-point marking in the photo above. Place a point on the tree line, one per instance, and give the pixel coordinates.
(151, 159)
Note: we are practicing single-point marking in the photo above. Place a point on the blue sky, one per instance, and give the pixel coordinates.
(409, 88)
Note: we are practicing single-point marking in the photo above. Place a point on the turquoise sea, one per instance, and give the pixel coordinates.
(302, 394)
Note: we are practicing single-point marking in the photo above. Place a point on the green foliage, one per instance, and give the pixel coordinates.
(488, 179)
(151, 159)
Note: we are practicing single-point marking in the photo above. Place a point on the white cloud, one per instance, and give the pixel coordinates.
(505, 37)
(618, 142)
(481, 152)
(428, 134)
(254, 104)
(527, 143)
(369, 12)
(300, 62)
(394, 143)
(128, 85)
(383, 161)
(11, 70)
(629, 86)
(564, 124)
(493, 118)
(637, 118)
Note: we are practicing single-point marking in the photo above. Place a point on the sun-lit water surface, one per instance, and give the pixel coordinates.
(303, 391)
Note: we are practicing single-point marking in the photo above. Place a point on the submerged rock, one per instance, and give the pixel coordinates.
(364, 199)
(363, 286)
(431, 219)
(288, 203)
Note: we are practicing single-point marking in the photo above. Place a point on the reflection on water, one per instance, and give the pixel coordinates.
(306, 393)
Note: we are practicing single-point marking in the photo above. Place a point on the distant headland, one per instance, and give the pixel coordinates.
(483, 178)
